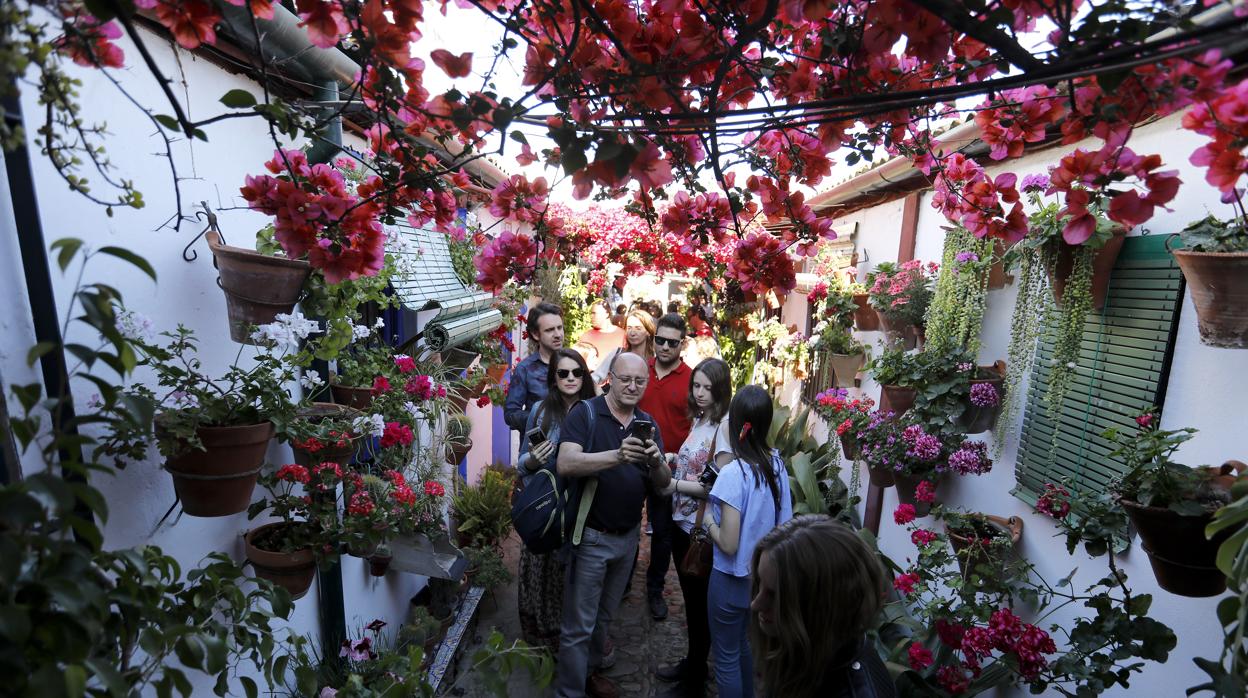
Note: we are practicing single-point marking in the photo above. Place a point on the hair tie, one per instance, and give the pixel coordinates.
(745, 431)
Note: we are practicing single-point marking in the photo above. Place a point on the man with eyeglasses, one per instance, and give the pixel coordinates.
(626, 468)
(667, 398)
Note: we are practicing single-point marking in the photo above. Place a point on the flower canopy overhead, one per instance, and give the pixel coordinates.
(708, 117)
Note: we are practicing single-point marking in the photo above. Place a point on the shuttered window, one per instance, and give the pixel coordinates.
(1123, 365)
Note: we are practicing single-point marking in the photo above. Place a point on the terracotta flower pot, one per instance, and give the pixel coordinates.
(456, 452)
(1218, 284)
(899, 332)
(293, 571)
(977, 420)
(845, 368)
(972, 553)
(316, 412)
(219, 480)
(352, 396)
(1102, 268)
(897, 399)
(908, 484)
(865, 317)
(1183, 560)
(257, 286)
(849, 446)
(881, 476)
(997, 278)
(379, 564)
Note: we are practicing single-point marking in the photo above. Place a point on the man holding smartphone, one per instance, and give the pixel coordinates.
(626, 466)
(667, 398)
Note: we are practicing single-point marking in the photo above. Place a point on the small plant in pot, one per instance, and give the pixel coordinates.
(901, 294)
(421, 630)
(305, 500)
(1214, 260)
(483, 512)
(901, 374)
(486, 568)
(984, 544)
(846, 417)
(458, 438)
(213, 432)
(324, 431)
(1169, 505)
(831, 338)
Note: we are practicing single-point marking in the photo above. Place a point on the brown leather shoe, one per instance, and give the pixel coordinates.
(599, 686)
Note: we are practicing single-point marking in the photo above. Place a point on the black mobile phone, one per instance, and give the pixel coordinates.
(642, 429)
(535, 436)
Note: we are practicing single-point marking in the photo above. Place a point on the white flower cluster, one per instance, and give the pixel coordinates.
(135, 327)
(405, 252)
(311, 380)
(286, 331)
(359, 332)
(370, 425)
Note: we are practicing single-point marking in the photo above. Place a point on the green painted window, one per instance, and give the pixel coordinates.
(1123, 367)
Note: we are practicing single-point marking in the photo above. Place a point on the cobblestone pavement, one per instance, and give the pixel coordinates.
(641, 644)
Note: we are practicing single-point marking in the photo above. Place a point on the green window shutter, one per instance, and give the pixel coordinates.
(1123, 364)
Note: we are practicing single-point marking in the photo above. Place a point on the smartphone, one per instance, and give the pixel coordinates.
(642, 430)
(535, 436)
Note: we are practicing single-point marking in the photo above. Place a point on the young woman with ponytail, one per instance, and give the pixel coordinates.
(750, 497)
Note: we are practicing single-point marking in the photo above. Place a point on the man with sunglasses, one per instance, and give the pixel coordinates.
(667, 398)
(605, 447)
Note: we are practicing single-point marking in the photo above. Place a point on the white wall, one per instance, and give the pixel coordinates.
(1205, 390)
(186, 293)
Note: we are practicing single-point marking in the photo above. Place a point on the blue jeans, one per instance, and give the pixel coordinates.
(728, 604)
(597, 574)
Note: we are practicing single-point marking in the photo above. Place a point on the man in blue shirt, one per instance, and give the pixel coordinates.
(528, 378)
(626, 468)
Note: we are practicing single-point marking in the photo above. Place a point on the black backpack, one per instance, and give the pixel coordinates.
(540, 512)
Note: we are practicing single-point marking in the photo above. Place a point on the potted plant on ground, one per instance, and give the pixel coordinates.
(1214, 260)
(1170, 504)
(421, 630)
(458, 438)
(483, 512)
(486, 568)
(213, 432)
(846, 417)
(901, 294)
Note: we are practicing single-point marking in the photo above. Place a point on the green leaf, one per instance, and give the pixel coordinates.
(168, 122)
(68, 248)
(38, 351)
(75, 681)
(124, 254)
(238, 99)
(249, 686)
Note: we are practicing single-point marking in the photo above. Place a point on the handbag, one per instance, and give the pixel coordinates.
(700, 556)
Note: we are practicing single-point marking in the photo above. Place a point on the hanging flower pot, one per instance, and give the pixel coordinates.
(865, 317)
(379, 562)
(896, 399)
(908, 491)
(880, 476)
(352, 396)
(849, 446)
(1102, 268)
(845, 368)
(1183, 560)
(997, 278)
(974, 541)
(456, 452)
(1218, 284)
(900, 332)
(257, 286)
(293, 570)
(982, 405)
(321, 449)
(219, 480)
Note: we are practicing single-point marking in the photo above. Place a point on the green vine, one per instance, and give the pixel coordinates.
(1030, 308)
(1068, 320)
(956, 314)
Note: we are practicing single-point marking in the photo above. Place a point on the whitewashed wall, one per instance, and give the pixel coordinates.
(1206, 390)
(187, 293)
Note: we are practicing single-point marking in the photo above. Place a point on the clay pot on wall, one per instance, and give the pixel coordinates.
(881, 476)
(1218, 285)
(865, 317)
(257, 286)
(997, 278)
(1183, 560)
(219, 481)
(379, 563)
(845, 368)
(294, 571)
(908, 484)
(849, 446)
(975, 419)
(967, 545)
(1102, 269)
(352, 396)
(897, 332)
(330, 453)
(897, 399)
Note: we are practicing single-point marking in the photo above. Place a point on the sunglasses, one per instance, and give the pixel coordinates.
(574, 372)
(667, 341)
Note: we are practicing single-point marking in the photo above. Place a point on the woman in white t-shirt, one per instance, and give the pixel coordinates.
(710, 392)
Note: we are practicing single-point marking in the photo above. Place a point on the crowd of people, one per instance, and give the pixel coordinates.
(633, 422)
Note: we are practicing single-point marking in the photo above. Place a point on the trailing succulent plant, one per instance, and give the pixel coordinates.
(956, 313)
(1030, 309)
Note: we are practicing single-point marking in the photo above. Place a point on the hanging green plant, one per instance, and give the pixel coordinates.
(956, 313)
(1030, 308)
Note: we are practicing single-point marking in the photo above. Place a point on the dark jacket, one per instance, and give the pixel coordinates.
(857, 672)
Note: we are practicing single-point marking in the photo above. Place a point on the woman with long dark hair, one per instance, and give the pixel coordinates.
(540, 593)
(817, 588)
(750, 497)
(710, 390)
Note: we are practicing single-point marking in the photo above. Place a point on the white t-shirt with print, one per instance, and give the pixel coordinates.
(691, 460)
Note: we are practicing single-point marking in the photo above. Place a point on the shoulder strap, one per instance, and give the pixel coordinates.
(776, 499)
(591, 487)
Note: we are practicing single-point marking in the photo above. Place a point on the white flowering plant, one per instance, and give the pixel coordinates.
(188, 398)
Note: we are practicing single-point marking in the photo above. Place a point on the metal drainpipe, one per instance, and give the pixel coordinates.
(332, 607)
(43, 311)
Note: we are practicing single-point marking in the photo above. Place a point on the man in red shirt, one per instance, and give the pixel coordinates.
(603, 336)
(667, 401)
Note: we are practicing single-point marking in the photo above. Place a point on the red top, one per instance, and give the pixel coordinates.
(667, 400)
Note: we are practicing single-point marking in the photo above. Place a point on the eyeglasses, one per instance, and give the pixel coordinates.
(630, 380)
(668, 341)
(574, 372)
